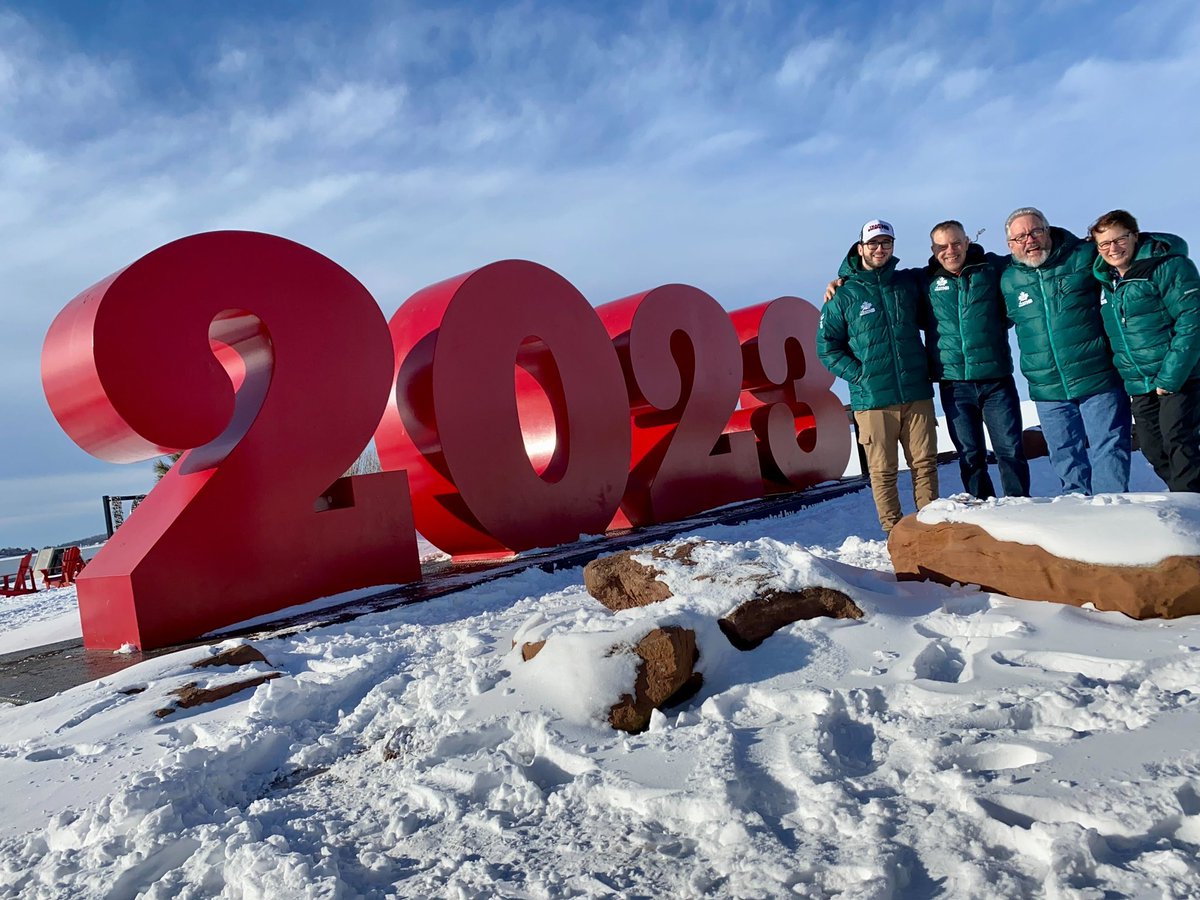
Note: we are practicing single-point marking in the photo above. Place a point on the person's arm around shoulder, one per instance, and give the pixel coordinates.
(1178, 282)
(917, 283)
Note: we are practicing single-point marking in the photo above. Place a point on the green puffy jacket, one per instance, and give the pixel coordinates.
(1056, 309)
(869, 335)
(1152, 316)
(967, 327)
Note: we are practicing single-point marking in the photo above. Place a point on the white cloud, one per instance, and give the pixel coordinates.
(962, 84)
(805, 65)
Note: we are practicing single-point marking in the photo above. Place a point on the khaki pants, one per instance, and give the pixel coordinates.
(914, 427)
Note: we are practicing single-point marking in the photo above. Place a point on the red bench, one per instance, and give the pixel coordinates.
(72, 564)
(22, 581)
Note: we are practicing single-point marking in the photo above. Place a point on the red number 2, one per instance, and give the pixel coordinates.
(683, 370)
(269, 364)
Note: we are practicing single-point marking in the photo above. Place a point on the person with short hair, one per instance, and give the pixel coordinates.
(869, 335)
(969, 357)
(1053, 298)
(1150, 305)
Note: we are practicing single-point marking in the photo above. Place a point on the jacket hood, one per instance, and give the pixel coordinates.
(1064, 243)
(975, 255)
(1153, 248)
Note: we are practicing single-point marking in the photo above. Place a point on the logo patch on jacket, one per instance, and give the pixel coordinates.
(1023, 299)
(941, 284)
(866, 310)
(1103, 297)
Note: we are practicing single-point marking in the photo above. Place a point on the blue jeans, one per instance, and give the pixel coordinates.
(1101, 422)
(969, 406)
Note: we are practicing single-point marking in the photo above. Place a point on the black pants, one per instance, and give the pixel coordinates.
(1166, 428)
(969, 406)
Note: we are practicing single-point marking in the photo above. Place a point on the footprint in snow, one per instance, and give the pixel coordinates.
(1103, 669)
(939, 661)
(992, 757)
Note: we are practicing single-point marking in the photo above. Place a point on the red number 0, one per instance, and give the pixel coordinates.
(509, 411)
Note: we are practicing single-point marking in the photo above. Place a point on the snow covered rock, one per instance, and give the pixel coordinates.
(1134, 554)
(664, 674)
(621, 582)
(237, 655)
(626, 580)
(191, 694)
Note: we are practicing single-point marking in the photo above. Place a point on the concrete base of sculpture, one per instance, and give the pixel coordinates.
(950, 552)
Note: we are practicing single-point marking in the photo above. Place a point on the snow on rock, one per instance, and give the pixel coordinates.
(1136, 529)
(950, 743)
(628, 580)
(1008, 546)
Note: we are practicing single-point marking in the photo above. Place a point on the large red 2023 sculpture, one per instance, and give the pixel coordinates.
(519, 416)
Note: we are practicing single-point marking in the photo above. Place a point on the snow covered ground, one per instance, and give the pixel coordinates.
(951, 743)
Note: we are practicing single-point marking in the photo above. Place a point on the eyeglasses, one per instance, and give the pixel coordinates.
(1035, 233)
(1122, 240)
(886, 244)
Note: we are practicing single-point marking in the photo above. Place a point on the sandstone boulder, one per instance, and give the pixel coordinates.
(950, 552)
(241, 655)
(665, 676)
(530, 649)
(620, 582)
(191, 694)
(760, 617)
(1033, 442)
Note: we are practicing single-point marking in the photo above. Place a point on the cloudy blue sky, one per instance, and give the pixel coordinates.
(736, 146)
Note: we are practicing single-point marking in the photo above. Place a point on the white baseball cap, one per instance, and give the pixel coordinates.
(877, 228)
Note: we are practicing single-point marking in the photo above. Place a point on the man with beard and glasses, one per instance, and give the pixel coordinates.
(1150, 303)
(969, 357)
(1054, 301)
(869, 335)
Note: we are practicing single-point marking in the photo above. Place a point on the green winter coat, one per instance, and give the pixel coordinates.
(1056, 310)
(1152, 316)
(967, 327)
(869, 335)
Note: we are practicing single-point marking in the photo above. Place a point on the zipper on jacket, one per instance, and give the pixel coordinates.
(962, 325)
(892, 319)
(1120, 315)
(1050, 334)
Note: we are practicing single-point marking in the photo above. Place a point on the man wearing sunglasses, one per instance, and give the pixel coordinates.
(1150, 303)
(1053, 299)
(869, 334)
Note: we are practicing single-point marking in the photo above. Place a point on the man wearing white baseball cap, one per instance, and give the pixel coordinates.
(869, 335)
